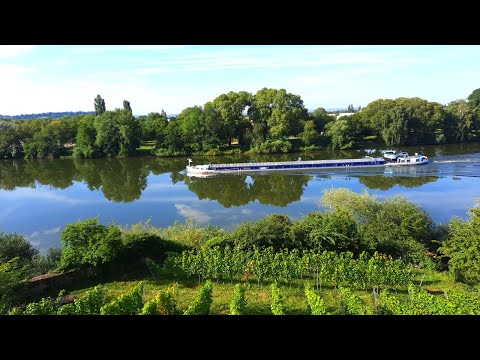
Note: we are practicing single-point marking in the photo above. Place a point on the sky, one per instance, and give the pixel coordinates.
(54, 78)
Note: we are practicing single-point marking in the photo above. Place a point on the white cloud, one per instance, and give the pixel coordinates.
(173, 77)
(14, 50)
(312, 80)
(167, 199)
(5, 212)
(12, 69)
(102, 49)
(189, 212)
(38, 234)
(156, 47)
(158, 186)
(40, 194)
(54, 230)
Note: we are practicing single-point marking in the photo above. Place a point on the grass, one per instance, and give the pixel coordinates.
(147, 145)
(259, 297)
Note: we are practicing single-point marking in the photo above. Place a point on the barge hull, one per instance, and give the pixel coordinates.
(288, 165)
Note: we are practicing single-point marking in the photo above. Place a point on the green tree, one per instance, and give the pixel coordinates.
(214, 133)
(394, 226)
(344, 132)
(374, 114)
(99, 104)
(46, 143)
(273, 230)
(395, 129)
(118, 132)
(153, 126)
(108, 134)
(230, 107)
(462, 247)
(191, 123)
(87, 243)
(174, 139)
(460, 121)
(474, 97)
(308, 133)
(127, 107)
(330, 230)
(10, 140)
(280, 114)
(16, 246)
(321, 119)
(130, 131)
(12, 275)
(85, 145)
(424, 119)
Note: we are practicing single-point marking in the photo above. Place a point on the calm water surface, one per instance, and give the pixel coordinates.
(38, 198)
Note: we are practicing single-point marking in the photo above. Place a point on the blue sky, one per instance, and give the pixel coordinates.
(54, 78)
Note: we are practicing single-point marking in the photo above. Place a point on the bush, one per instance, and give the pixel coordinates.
(87, 243)
(273, 230)
(130, 303)
(278, 301)
(46, 306)
(394, 226)
(213, 152)
(169, 152)
(203, 301)
(272, 147)
(163, 304)
(463, 248)
(12, 285)
(166, 303)
(190, 234)
(15, 245)
(149, 308)
(315, 302)
(141, 245)
(222, 241)
(67, 309)
(91, 302)
(351, 303)
(331, 230)
(239, 303)
(235, 151)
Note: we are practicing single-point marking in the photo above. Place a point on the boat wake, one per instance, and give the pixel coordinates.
(456, 161)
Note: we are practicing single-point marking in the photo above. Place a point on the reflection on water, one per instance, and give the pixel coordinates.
(39, 197)
(124, 180)
(120, 180)
(235, 190)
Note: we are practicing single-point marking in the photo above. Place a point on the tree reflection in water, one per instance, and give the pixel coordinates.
(124, 180)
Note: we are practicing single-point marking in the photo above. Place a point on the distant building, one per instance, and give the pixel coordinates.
(344, 114)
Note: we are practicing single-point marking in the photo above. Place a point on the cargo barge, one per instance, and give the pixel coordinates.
(300, 164)
(283, 165)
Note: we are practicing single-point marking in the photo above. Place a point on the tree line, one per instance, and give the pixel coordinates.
(51, 115)
(264, 122)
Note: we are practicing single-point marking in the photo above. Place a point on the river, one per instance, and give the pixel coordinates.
(39, 197)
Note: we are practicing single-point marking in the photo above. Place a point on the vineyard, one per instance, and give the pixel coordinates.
(232, 281)
(367, 258)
